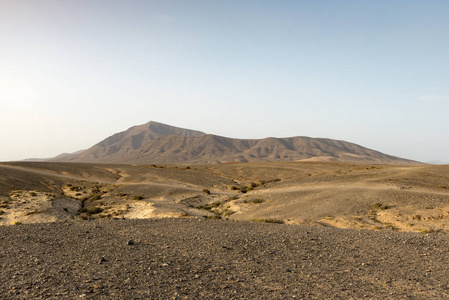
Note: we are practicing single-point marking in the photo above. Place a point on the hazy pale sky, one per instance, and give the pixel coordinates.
(376, 73)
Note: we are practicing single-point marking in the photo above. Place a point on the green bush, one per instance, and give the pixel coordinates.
(246, 189)
(91, 211)
(210, 206)
(96, 197)
(254, 201)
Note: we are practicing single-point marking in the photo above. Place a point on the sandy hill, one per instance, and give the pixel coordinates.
(159, 143)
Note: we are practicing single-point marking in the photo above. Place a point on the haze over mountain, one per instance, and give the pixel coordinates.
(155, 142)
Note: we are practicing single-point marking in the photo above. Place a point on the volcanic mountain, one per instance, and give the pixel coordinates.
(160, 143)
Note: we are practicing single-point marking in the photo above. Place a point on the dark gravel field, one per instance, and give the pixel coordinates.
(214, 259)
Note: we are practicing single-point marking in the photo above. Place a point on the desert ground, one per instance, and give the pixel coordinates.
(378, 197)
(310, 230)
(189, 258)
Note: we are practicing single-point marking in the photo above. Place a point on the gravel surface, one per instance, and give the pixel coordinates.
(215, 259)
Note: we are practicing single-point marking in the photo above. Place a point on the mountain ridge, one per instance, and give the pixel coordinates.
(155, 142)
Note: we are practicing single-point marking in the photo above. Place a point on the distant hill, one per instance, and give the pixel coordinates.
(59, 157)
(160, 143)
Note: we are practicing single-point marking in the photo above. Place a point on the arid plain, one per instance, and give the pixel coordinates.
(225, 231)
(377, 197)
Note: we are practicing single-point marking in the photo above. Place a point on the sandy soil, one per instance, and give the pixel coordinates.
(401, 198)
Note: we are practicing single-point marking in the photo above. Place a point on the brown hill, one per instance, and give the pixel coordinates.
(159, 143)
(119, 146)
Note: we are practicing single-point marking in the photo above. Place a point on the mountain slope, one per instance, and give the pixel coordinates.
(159, 143)
(120, 145)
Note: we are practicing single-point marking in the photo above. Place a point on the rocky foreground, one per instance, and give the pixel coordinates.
(215, 259)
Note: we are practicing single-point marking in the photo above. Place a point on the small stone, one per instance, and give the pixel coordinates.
(130, 242)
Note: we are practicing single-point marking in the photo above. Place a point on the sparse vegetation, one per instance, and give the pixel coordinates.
(96, 197)
(428, 230)
(92, 210)
(210, 206)
(216, 217)
(390, 226)
(267, 220)
(96, 189)
(254, 201)
(226, 189)
(378, 205)
(217, 208)
(227, 212)
(245, 189)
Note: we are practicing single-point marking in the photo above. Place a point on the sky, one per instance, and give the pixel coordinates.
(375, 73)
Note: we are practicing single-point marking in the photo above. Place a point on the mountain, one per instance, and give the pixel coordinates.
(118, 147)
(160, 143)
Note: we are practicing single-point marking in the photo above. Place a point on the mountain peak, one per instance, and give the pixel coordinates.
(164, 129)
